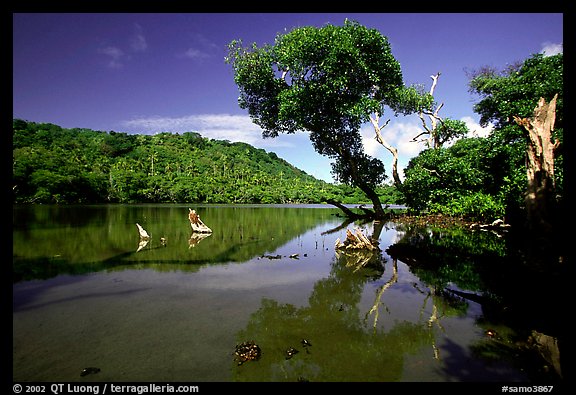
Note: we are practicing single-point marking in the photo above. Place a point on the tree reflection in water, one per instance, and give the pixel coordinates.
(346, 344)
(352, 345)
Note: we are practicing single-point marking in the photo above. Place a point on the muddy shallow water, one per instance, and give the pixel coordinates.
(87, 293)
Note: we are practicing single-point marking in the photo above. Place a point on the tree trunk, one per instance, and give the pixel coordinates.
(371, 193)
(540, 199)
(359, 182)
(349, 213)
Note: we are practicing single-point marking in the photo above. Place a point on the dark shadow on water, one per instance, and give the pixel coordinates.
(24, 300)
(460, 365)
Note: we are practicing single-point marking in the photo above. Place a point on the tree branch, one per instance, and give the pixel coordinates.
(434, 82)
(375, 120)
(433, 171)
(432, 140)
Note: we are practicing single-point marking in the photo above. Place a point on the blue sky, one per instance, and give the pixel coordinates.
(156, 72)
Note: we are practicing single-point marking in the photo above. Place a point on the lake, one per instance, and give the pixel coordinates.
(87, 292)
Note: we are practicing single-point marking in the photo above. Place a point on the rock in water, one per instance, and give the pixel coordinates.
(87, 371)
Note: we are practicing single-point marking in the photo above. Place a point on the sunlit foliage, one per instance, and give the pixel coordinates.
(57, 165)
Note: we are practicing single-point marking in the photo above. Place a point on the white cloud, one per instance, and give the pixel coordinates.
(235, 128)
(399, 134)
(371, 146)
(475, 129)
(550, 49)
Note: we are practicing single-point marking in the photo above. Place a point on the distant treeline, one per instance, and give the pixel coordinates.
(52, 164)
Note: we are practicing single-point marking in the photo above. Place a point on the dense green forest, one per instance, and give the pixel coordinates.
(52, 164)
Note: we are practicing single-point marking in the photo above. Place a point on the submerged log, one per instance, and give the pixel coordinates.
(347, 212)
(196, 223)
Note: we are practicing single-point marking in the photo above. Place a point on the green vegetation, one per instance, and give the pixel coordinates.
(486, 178)
(52, 164)
(286, 87)
(331, 80)
(328, 81)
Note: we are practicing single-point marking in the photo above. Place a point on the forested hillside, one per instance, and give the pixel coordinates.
(52, 164)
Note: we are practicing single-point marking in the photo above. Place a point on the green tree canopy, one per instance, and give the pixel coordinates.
(516, 90)
(486, 178)
(515, 100)
(326, 81)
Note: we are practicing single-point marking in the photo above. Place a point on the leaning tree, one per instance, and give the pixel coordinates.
(327, 81)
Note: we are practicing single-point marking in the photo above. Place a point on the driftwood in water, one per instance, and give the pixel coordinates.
(142, 244)
(196, 223)
(359, 251)
(357, 258)
(143, 234)
(144, 237)
(496, 225)
(356, 241)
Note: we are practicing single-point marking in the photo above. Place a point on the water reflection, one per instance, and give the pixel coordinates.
(48, 241)
(342, 348)
(349, 341)
(518, 293)
(425, 306)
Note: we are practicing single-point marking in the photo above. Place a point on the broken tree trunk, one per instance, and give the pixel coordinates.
(540, 164)
(196, 223)
(356, 241)
(144, 237)
(142, 232)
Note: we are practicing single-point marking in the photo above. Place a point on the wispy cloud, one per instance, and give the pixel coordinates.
(115, 56)
(138, 42)
(193, 53)
(200, 48)
(234, 128)
(551, 49)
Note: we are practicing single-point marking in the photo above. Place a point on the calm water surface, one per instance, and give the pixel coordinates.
(87, 293)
